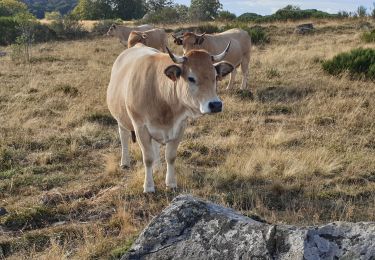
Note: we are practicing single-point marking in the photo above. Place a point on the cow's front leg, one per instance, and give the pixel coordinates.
(145, 142)
(157, 160)
(170, 157)
(232, 78)
(124, 138)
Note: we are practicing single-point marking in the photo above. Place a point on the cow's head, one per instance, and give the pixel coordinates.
(136, 37)
(111, 30)
(198, 72)
(189, 40)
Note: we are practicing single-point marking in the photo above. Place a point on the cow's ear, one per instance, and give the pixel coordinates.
(173, 72)
(144, 36)
(222, 69)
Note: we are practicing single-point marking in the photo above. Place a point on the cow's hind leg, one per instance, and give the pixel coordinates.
(232, 78)
(124, 138)
(145, 142)
(245, 71)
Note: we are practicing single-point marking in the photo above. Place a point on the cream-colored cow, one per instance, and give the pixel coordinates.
(155, 38)
(122, 32)
(239, 53)
(152, 94)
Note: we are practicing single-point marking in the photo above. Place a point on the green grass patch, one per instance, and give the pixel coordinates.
(368, 36)
(119, 251)
(359, 63)
(32, 218)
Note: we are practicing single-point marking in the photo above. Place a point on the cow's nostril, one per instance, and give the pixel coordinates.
(215, 107)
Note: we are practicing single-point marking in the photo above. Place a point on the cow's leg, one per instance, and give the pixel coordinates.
(232, 78)
(124, 137)
(170, 157)
(145, 142)
(245, 71)
(156, 148)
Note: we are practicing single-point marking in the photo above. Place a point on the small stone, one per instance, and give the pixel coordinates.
(3, 211)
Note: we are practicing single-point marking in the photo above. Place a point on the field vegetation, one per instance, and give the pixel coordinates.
(299, 149)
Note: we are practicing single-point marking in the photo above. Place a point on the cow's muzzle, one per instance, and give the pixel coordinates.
(215, 107)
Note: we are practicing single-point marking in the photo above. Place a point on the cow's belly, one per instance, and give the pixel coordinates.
(164, 135)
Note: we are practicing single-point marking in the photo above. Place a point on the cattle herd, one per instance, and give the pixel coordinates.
(152, 91)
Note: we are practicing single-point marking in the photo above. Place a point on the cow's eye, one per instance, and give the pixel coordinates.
(191, 79)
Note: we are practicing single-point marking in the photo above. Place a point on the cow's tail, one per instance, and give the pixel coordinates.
(134, 138)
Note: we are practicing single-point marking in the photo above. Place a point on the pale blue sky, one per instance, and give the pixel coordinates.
(265, 7)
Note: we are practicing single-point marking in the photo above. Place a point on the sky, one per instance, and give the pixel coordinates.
(265, 7)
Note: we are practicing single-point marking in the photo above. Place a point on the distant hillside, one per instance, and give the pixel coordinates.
(38, 7)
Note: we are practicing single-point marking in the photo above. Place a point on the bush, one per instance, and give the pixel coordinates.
(359, 63)
(368, 36)
(258, 34)
(226, 16)
(248, 17)
(68, 29)
(208, 28)
(102, 27)
(8, 30)
(164, 15)
(52, 15)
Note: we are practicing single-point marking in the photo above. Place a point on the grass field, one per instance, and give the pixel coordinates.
(300, 150)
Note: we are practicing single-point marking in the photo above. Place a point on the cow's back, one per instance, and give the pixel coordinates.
(129, 72)
(240, 44)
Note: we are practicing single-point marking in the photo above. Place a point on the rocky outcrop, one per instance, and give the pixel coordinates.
(304, 28)
(191, 228)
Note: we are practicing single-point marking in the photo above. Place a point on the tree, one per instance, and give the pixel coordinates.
(183, 12)
(204, 10)
(373, 11)
(156, 5)
(93, 10)
(291, 8)
(12, 7)
(129, 9)
(226, 16)
(361, 11)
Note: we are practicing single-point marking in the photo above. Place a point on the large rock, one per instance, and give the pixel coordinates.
(191, 228)
(304, 28)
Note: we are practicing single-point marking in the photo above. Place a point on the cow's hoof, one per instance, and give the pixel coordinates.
(148, 189)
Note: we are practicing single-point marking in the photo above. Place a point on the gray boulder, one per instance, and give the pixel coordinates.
(304, 28)
(192, 228)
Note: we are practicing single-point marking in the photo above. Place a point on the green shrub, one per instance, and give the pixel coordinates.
(68, 29)
(226, 16)
(8, 30)
(52, 15)
(102, 27)
(368, 36)
(248, 17)
(164, 16)
(359, 63)
(208, 28)
(257, 33)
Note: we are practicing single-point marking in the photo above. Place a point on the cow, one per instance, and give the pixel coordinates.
(155, 38)
(122, 32)
(152, 94)
(239, 53)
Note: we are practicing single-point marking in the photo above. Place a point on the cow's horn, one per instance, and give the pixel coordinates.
(221, 56)
(175, 58)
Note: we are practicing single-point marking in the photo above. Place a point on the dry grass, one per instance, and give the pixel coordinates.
(300, 151)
